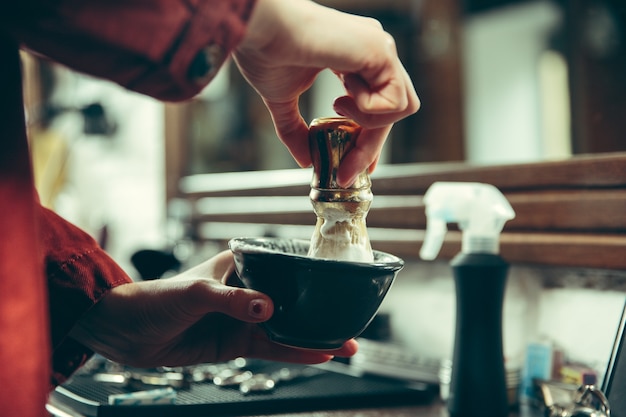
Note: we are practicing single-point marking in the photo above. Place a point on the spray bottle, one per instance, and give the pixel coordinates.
(478, 380)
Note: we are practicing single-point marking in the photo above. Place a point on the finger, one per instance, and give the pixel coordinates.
(347, 106)
(262, 348)
(348, 349)
(363, 155)
(207, 296)
(223, 263)
(389, 97)
(413, 99)
(375, 80)
(292, 130)
(251, 341)
(373, 165)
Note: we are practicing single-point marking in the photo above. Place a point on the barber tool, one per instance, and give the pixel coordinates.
(585, 401)
(340, 232)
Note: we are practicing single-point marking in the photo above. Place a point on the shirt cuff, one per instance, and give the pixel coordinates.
(79, 273)
(214, 31)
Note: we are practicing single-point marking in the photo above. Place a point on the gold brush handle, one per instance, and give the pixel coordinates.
(330, 139)
(340, 231)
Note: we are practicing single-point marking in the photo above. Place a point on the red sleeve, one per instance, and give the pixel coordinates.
(168, 49)
(79, 273)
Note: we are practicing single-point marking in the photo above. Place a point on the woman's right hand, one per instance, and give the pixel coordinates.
(289, 42)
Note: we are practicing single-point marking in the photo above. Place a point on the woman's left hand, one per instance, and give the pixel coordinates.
(188, 319)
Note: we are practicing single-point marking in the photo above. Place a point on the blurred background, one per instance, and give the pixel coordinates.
(501, 82)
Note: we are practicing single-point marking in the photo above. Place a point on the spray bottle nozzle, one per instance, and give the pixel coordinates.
(479, 209)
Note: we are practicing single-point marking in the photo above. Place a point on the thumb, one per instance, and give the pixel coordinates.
(363, 156)
(292, 130)
(240, 303)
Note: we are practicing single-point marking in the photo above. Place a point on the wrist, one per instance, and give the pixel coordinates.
(275, 28)
(259, 30)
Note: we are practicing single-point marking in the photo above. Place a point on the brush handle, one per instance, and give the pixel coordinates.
(340, 232)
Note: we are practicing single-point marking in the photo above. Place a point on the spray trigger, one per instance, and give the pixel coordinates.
(480, 210)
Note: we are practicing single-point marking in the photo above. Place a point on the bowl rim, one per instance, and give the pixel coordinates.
(236, 243)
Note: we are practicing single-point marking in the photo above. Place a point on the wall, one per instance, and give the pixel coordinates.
(515, 98)
(581, 320)
(119, 181)
(116, 181)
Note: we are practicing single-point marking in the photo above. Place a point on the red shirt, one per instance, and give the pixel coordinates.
(50, 271)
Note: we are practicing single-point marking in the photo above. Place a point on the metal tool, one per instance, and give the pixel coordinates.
(586, 401)
(179, 377)
(232, 374)
(264, 382)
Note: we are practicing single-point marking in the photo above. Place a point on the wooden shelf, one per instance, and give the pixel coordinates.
(568, 213)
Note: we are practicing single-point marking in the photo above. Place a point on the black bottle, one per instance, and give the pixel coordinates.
(478, 381)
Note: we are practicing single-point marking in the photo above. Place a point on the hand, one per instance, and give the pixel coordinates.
(188, 319)
(289, 42)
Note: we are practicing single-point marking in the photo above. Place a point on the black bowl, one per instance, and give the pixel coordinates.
(318, 303)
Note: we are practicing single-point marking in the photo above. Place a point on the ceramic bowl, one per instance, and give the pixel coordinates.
(318, 303)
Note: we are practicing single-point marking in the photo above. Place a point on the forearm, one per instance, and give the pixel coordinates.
(168, 49)
(79, 273)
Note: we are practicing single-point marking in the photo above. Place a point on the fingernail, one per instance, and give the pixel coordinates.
(345, 184)
(338, 109)
(257, 308)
